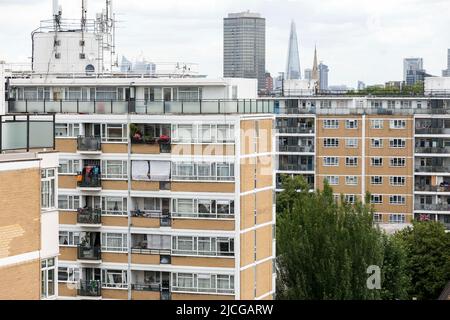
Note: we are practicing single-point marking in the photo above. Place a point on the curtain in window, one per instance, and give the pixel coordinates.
(141, 170)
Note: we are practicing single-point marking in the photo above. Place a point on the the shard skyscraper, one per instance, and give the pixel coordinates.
(293, 63)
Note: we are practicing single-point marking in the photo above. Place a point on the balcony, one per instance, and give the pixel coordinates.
(89, 216)
(164, 254)
(89, 253)
(213, 106)
(433, 169)
(432, 207)
(296, 130)
(439, 150)
(163, 290)
(429, 188)
(165, 219)
(306, 149)
(296, 167)
(89, 144)
(91, 288)
(89, 181)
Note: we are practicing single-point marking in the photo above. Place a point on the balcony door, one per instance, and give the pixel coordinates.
(93, 130)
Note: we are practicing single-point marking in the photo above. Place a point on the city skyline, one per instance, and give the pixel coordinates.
(376, 35)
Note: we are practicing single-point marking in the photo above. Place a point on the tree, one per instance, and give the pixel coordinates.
(396, 281)
(428, 258)
(324, 246)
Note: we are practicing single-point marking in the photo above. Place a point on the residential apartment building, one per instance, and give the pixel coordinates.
(29, 220)
(173, 200)
(392, 147)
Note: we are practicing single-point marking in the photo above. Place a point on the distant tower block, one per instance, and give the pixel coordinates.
(293, 71)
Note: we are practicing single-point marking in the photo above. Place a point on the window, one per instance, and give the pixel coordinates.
(205, 133)
(376, 199)
(397, 200)
(391, 104)
(67, 130)
(397, 181)
(114, 206)
(376, 162)
(70, 203)
(48, 188)
(331, 124)
(116, 242)
(376, 180)
(202, 246)
(331, 143)
(114, 279)
(68, 274)
(114, 169)
(376, 143)
(406, 104)
(202, 283)
(351, 124)
(398, 162)
(152, 204)
(189, 94)
(398, 124)
(377, 218)
(351, 143)
(73, 93)
(351, 180)
(332, 180)
(376, 124)
(106, 93)
(325, 104)
(397, 218)
(351, 162)
(48, 278)
(203, 171)
(331, 161)
(69, 239)
(397, 143)
(114, 133)
(69, 167)
(350, 198)
(202, 208)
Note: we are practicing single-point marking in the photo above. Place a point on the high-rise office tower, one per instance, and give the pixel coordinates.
(446, 72)
(413, 71)
(308, 74)
(293, 63)
(244, 49)
(323, 76)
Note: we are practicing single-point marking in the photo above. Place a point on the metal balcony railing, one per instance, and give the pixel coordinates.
(92, 288)
(432, 169)
(295, 149)
(432, 207)
(93, 253)
(429, 188)
(89, 216)
(293, 130)
(433, 150)
(91, 144)
(153, 287)
(296, 167)
(94, 181)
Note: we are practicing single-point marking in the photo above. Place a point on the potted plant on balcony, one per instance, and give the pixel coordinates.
(163, 139)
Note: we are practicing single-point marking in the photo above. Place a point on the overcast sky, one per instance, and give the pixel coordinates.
(358, 39)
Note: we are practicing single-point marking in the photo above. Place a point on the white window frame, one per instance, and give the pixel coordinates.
(331, 143)
(397, 181)
(122, 237)
(331, 124)
(351, 143)
(351, 180)
(48, 189)
(376, 199)
(106, 281)
(397, 162)
(351, 162)
(397, 143)
(331, 162)
(46, 268)
(398, 124)
(71, 200)
(72, 130)
(332, 180)
(122, 175)
(72, 274)
(71, 238)
(373, 143)
(374, 182)
(376, 162)
(351, 124)
(376, 124)
(398, 200)
(73, 166)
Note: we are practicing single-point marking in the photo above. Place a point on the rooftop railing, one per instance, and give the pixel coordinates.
(215, 106)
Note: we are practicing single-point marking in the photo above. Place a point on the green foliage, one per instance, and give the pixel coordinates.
(324, 247)
(428, 258)
(406, 90)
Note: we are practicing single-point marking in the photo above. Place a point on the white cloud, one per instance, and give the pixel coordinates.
(359, 39)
